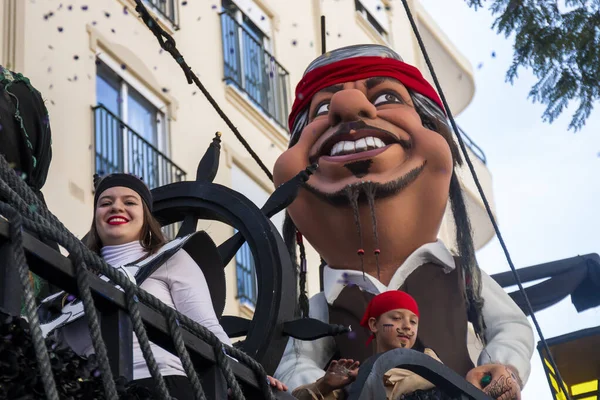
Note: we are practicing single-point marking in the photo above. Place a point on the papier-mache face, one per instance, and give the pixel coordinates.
(361, 126)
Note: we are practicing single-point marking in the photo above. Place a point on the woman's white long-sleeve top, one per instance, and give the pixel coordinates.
(179, 283)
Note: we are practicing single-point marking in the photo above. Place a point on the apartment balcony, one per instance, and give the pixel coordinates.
(247, 288)
(483, 231)
(120, 149)
(453, 70)
(167, 9)
(249, 67)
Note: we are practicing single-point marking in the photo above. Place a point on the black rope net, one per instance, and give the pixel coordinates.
(24, 210)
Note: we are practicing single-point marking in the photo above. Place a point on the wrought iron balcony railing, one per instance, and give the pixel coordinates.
(120, 149)
(167, 9)
(252, 69)
(247, 290)
(473, 146)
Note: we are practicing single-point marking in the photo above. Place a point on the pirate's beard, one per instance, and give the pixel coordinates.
(345, 196)
(366, 193)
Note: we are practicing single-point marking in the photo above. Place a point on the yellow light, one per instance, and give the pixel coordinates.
(549, 366)
(560, 395)
(585, 387)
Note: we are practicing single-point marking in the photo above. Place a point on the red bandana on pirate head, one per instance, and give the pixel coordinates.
(356, 68)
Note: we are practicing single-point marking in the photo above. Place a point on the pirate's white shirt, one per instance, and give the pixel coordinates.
(509, 334)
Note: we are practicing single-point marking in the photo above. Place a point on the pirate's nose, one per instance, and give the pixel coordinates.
(350, 105)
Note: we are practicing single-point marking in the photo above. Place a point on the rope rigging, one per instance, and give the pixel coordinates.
(37, 218)
(482, 194)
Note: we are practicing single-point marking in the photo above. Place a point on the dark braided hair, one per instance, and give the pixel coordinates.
(289, 237)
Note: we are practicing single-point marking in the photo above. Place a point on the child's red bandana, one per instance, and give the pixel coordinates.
(356, 68)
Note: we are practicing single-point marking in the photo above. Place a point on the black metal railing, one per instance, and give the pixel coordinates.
(57, 269)
(473, 146)
(247, 289)
(252, 69)
(120, 149)
(167, 9)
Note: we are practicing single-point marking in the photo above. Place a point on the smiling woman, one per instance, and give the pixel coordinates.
(124, 232)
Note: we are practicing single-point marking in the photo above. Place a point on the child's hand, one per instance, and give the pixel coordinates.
(277, 384)
(339, 374)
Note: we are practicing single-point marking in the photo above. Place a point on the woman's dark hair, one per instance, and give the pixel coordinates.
(152, 237)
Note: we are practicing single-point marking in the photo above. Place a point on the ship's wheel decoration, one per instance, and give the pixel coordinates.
(189, 201)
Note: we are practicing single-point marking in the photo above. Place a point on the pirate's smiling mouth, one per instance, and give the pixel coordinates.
(357, 140)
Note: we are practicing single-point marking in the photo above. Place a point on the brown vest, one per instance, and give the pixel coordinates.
(442, 322)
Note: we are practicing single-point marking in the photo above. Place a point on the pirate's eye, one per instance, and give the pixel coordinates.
(322, 108)
(387, 98)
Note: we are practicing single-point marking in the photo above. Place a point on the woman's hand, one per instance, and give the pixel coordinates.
(277, 384)
(339, 374)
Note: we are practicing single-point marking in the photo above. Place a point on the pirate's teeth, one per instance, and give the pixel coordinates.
(360, 145)
(337, 148)
(350, 147)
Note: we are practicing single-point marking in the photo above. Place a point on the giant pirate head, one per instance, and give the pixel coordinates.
(386, 157)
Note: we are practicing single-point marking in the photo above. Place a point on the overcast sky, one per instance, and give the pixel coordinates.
(545, 178)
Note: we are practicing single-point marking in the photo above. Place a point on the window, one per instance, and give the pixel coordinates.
(166, 9)
(130, 130)
(247, 290)
(375, 12)
(248, 61)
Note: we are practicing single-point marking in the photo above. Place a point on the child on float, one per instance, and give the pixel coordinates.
(124, 232)
(393, 319)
